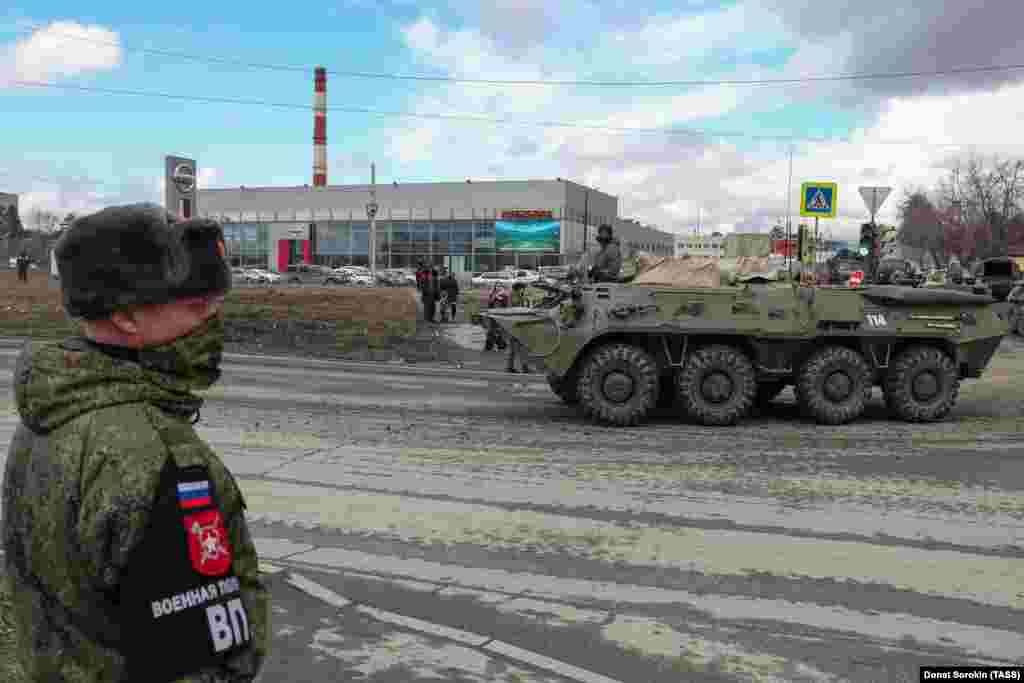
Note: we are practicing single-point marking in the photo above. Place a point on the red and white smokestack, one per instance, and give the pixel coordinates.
(320, 128)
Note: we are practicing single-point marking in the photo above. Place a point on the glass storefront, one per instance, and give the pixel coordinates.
(462, 245)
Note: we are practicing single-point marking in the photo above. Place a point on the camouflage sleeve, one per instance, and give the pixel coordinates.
(609, 262)
(120, 474)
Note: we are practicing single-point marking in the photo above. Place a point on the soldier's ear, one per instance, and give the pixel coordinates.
(127, 321)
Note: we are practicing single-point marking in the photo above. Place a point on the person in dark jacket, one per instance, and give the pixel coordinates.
(431, 293)
(23, 262)
(450, 287)
(421, 275)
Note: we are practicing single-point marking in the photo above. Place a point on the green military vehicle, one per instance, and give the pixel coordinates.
(620, 350)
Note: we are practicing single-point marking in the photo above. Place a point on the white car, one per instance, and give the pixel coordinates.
(256, 275)
(506, 278)
(362, 280)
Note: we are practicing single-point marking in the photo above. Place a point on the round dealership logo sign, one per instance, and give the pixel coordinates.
(184, 178)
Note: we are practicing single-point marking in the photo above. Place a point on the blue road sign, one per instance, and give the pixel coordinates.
(818, 200)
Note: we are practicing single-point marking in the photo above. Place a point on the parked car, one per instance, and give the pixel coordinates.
(337, 279)
(361, 280)
(505, 277)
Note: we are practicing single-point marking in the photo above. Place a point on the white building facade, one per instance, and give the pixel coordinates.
(697, 244)
(467, 226)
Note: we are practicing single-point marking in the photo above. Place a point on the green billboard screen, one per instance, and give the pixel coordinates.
(528, 235)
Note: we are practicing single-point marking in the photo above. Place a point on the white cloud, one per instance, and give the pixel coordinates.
(666, 179)
(61, 49)
(208, 177)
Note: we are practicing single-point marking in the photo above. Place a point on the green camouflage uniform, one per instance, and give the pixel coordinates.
(81, 475)
(519, 298)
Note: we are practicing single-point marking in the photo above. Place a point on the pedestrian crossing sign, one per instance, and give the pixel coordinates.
(818, 199)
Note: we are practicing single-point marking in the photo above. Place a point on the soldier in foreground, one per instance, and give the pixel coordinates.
(125, 538)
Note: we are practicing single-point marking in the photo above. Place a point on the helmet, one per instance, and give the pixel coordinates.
(137, 255)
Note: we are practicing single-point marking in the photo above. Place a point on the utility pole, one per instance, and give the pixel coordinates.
(586, 218)
(789, 214)
(371, 212)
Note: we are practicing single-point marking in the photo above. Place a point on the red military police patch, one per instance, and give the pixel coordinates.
(208, 544)
(220, 248)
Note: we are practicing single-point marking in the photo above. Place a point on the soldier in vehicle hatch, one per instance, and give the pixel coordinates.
(125, 541)
(607, 264)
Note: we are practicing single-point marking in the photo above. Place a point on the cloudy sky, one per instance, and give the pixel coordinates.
(667, 151)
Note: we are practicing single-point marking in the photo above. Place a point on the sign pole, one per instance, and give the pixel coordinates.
(789, 215)
(817, 246)
(371, 212)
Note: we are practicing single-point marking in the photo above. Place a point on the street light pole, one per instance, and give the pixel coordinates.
(371, 213)
(789, 215)
(586, 218)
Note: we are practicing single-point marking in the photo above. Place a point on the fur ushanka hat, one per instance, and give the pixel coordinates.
(136, 255)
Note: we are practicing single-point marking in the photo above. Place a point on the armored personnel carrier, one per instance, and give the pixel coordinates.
(620, 350)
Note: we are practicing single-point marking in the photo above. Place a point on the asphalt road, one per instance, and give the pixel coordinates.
(775, 550)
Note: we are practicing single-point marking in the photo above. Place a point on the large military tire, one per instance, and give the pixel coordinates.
(921, 385)
(717, 385)
(834, 385)
(618, 385)
(564, 388)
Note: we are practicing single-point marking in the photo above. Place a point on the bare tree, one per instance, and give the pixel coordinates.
(921, 225)
(990, 195)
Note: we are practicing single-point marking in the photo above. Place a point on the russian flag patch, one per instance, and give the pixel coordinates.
(194, 494)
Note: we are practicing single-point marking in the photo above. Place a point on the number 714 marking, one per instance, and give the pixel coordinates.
(876, 320)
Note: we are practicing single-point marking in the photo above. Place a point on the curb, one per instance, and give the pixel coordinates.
(474, 640)
(460, 370)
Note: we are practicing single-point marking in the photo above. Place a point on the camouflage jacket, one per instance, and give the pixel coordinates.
(82, 471)
(604, 266)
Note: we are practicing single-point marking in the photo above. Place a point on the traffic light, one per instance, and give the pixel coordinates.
(867, 239)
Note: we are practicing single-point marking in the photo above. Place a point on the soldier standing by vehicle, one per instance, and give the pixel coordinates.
(498, 298)
(125, 539)
(517, 354)
(450, 287)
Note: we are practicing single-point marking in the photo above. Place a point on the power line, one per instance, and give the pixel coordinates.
(955, 71)
(691, 132)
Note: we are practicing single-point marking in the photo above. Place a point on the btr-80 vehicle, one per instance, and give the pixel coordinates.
(620, 350)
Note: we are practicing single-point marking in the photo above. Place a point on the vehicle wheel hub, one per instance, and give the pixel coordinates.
(925, 386)
(838, 387)
(618, 387)
(717, 387)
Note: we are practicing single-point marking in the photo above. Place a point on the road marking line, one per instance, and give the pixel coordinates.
(980, 641)
(428, 627)
(547, 663)
(267, 568)
(315, 590)
(465, 637)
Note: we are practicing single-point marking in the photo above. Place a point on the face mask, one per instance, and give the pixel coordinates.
(194, 358)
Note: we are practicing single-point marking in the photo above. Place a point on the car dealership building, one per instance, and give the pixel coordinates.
(466, 226)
